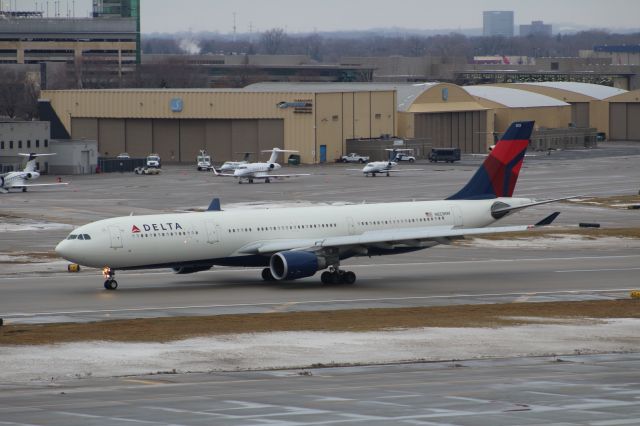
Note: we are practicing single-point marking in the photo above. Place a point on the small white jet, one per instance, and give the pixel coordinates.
(250, 171)
(296, 242)
(229, 166)
(20, 179)
(385, 167)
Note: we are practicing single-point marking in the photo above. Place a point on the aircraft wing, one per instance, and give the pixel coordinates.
(217, 173)
(404, 170)
(271, 175)
(415, 237)
(38, 184)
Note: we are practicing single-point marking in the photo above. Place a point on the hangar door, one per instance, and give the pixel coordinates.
(580, 114)
(180, 140)
(624, 121)
(464, 130)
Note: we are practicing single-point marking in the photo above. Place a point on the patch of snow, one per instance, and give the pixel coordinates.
(557, 241)
(39, 364)
(19, 225)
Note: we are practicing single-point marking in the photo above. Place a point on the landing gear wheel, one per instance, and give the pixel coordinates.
(348, 277)
(267, 275)
(111, 284)
(239, 182)
(250, 180)
(267, 180)
(387, 174)
(326, 277)
(24, 189)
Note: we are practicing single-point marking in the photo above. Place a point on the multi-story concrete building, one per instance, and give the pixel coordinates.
(497, 23)
(536, 28)
(110, 38)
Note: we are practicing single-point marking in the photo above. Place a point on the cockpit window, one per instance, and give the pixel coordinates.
(80, 237)
(86, 236)
(72, 237)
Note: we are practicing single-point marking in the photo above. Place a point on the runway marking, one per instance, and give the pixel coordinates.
(302, 302)
(599, 270)
(444, 262)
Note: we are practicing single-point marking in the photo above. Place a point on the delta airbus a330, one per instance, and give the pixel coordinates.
(294, 243)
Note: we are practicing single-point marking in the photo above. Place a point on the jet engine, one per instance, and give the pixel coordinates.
(1, 181)
(291, 265)
(28, 176)
(272, 166)
(190, 269)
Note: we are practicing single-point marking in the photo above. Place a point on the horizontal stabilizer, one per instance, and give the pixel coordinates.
(548, 220)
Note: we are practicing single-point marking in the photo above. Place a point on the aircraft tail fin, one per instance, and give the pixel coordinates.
(499, 172)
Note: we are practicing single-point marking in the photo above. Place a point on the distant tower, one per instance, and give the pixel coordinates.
(497, 23)
(120, 9)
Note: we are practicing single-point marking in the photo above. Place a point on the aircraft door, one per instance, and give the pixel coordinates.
(115, 234)
(352, 226)
(213, 233)
(457, 217)
(323, 153)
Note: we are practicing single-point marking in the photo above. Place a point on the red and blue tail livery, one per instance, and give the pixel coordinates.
(498, 174)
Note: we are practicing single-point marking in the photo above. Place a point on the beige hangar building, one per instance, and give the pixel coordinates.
(178, 123)
(316, 119)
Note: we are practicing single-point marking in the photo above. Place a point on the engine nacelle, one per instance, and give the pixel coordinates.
(191, 269)
(291, 265)
(28, 176)
(272, 166)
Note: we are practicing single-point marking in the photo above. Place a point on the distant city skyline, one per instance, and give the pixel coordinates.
(356, 15)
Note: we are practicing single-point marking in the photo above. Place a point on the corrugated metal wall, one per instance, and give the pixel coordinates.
(464, 130)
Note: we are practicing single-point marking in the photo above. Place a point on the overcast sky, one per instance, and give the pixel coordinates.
(330, 15)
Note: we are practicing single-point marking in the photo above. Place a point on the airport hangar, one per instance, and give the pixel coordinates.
(317, 119)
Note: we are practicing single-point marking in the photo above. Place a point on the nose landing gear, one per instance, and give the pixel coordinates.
(110, 283)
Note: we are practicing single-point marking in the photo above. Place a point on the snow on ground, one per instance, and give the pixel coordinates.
(557, 241)
(19, 224)
(44, 364)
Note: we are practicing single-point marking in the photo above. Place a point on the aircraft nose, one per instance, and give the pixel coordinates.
(63, 250)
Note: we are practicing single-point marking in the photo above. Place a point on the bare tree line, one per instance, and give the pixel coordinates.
(329, 48)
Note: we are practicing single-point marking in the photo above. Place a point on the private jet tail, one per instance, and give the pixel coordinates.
(498, 174)
(31, 161)
(274, 153)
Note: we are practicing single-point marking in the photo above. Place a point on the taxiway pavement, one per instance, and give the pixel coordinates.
(597, 390)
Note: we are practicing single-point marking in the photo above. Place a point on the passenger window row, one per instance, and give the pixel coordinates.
(397, 221)
(284, 227)
(165, 234)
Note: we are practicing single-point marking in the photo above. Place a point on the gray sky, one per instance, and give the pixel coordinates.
(329, 15)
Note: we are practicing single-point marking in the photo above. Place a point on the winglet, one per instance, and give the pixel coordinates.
(548, 220)
(214, 206)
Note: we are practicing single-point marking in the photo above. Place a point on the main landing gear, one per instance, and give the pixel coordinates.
(337, 276)
(110, 283)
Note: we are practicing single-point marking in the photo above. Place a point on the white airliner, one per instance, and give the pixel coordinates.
(385, 167)
(22, 178)
(250, 171)
(297, 242)
(229, 166)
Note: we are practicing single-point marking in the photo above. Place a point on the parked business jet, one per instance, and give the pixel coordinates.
(229, 166)
(297, 242)
(20, 179)
(385, 167)
(250, 171)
